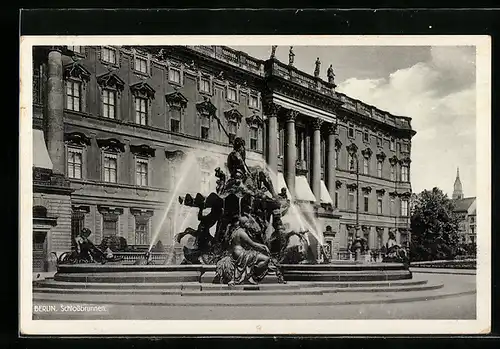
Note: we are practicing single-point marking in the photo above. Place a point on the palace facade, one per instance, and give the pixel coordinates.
(114, 127)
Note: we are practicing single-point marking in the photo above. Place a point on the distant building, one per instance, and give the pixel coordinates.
(465, 209)
(112, 125)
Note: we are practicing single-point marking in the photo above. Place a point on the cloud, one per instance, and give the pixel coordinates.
(439, 95)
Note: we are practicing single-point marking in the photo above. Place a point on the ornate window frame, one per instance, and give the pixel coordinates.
(142, 216)
(137, 55)
(350, 127)
(256, 95)
(208, 78)
(76, 141)
(235, 87)
(76, 72)
(255, 123)
(176, 101)
(110, 81)
(142, 153)
(174, 66)
(233, 117)
(116, 63)
(110, 147)
(142, 90)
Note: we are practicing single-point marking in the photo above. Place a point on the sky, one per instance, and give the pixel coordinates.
(435, 86)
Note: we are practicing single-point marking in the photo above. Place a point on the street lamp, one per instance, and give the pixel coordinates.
(357, 243)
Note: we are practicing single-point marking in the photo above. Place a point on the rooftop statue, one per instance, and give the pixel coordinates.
(273, 51)
(291, 56)
(317, 67)
(330, 75)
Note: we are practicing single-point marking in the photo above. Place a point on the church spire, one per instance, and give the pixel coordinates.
(457, 187)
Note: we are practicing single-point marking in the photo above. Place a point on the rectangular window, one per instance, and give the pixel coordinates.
(351, 203)
(254, 101)
(366, 166)
(254, 136)
(392, 208)
(404, 147)
(204, 132)
(109, 225)
(379, 205)
(141, 110)
(232, 94)
(73, 100)
(365, 203)
(472, 219)
(379, 169)
(108, 103)
(404, 174)
(205, 85)
(76, 49)
(336, 199)
(337, 158)
(393, 172)
(174, 75)
(110, 167)
(141, 231)
(108, 55)
(350, 132)
(75, 163)
(379, 142)
(231, 131)
(404, 208)
(141, 172)
(141, 64)
(175, 125)
(393, 145)
(351, 163)
(77, 224)
(366, 137)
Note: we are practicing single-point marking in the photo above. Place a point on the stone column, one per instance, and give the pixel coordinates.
(330, 162)
(290, 150)
(316, 160)
(272, 130)
(55, 109)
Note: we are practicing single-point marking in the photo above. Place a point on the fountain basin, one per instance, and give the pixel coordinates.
(119, 273)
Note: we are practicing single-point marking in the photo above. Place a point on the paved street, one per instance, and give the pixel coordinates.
(452, 307)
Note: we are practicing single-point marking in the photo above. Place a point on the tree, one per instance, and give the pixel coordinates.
(434, 227)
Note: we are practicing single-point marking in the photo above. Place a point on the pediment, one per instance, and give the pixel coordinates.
(176, 99)
(367, 153)
(143, 150)
(76, 70)
(381, 156)
(143, 89)
(352, 148)
(77, 138)
(110, 79)
(393, 160)
(111, 144)
(206, 108)
(175, 155)
(255, 120)
(233, 115)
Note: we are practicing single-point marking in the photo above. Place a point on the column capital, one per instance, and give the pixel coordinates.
(331, 128)
(317, 124)
(271, 109)
(291, 115)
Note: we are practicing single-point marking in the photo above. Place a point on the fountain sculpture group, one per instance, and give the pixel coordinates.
(250, 240)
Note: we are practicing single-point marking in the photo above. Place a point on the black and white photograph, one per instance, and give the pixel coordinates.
(270, 184)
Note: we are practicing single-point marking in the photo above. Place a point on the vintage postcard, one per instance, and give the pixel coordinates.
(255, 185)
